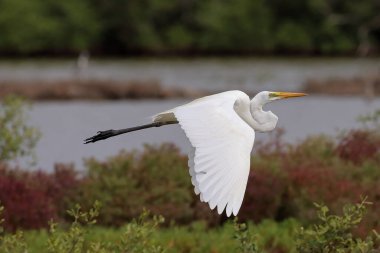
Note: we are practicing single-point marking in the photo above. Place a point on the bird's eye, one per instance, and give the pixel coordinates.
(272, 95)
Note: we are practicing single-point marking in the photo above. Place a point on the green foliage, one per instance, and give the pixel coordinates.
(13, 243)
(145, 26)
(167, 26)
(179, 38)
(156, 179)
(29, 26)
(81, 236)
(332, 39)
(73, 240)
(333, 234)
(247, 242)
(17, 139)
(372, 120)
(293, 37)
(137, 235)
(242, 25)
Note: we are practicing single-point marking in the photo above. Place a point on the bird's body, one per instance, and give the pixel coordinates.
(221, 129)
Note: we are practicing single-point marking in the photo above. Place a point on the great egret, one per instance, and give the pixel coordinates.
(221, 129)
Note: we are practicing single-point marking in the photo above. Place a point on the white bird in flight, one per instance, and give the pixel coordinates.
(221, 129)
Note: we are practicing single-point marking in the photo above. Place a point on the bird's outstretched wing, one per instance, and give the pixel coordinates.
(219, 165)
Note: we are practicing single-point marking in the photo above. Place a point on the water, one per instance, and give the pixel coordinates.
(250, 74)
(65, 125)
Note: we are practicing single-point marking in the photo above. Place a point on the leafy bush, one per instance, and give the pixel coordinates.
(156, 179)
(73, 240)
(25, 206)
(333, 234)
(247, 242)
(32, 198)
(17, 139)
(371, 120)
(264, 196)
(134, 238)
(10, 243)
(359, 145)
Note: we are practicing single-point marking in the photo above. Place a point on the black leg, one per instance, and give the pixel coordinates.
(102, 135)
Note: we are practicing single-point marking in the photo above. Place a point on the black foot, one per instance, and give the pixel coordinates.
(102, 135)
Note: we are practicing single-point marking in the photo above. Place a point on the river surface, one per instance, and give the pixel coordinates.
(65, 125)
(250, 74)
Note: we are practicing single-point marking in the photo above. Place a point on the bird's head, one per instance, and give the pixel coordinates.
(266, 119)
(269, 96)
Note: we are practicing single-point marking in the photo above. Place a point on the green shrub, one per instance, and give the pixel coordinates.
(135, 237)
(17, 138)
(331, 234)
(247, 242)
(372, 120)
(13, 243)
(156, 179)
(73, 240)
(334, 233)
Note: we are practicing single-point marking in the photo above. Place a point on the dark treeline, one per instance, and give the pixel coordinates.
(130, 27)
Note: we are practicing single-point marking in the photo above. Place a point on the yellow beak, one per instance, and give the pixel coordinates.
(287, 94)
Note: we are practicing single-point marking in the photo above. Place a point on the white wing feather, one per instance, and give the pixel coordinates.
(219, 164)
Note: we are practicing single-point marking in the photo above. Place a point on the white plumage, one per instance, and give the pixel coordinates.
(223, 142)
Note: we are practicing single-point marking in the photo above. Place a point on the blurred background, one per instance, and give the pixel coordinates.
(90, 65)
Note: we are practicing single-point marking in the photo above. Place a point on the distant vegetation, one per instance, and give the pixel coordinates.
(189, 27)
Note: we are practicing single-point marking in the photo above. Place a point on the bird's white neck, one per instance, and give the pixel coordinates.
(263, 121)
(252, 113)
(257, 103)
